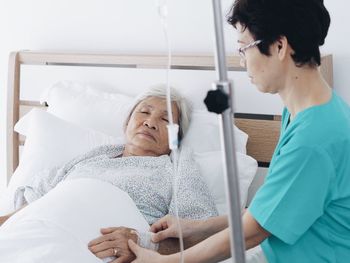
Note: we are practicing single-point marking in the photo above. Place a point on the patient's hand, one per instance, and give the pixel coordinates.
(3, 219)
(114, 239)
(6, 217)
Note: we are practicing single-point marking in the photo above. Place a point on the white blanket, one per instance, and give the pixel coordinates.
(57, 227)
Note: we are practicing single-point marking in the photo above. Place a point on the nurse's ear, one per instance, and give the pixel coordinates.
(281, 48)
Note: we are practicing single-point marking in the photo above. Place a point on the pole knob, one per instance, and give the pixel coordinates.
(217, 101)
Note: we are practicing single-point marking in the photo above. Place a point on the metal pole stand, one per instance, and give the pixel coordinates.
(220, 101)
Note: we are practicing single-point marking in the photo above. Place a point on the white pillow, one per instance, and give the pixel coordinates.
(88, 107)
(203, 134)
(211, 167)
(50, 142)
(106, 111)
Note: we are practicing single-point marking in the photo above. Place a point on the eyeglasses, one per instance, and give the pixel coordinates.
(242, 50)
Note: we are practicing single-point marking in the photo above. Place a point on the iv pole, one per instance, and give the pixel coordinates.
(221, 101)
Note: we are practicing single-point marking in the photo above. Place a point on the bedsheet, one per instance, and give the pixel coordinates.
(58, 227)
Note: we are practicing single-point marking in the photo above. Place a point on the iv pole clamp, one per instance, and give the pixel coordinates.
(217, 100)
(220, 101)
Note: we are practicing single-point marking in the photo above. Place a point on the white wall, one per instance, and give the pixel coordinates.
(131, 26)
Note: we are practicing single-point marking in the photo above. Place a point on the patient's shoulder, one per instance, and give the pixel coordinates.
(110, 150)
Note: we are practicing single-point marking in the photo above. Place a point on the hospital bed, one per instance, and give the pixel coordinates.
(78, 96)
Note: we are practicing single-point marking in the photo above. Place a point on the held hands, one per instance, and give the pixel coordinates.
(114, 243)
(164, 228)
(167, 227)
(120, 241)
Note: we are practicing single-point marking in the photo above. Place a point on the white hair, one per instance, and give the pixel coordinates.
(160, 91)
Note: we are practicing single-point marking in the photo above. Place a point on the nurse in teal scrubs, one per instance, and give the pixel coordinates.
(302, 211)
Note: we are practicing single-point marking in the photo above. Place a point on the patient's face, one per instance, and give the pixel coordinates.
(146, 132)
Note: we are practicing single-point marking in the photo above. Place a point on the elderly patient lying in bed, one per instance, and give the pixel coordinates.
(119, 185)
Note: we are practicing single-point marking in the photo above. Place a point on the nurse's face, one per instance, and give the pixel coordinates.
(266, 72)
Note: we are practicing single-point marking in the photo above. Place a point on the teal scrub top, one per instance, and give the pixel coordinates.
(305, 200)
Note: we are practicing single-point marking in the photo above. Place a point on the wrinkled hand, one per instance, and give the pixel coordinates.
(3, 219)
(145, 255)
(114, 238)
(167, 227)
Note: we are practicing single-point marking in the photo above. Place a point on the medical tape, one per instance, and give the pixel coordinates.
(144, 239)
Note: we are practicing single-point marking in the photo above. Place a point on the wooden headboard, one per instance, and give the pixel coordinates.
(263, 130)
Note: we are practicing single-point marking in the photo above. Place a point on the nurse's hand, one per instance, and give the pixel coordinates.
(146, 256)
(167, 227)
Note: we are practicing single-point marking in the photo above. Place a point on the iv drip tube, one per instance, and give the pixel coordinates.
(173, 129)
(232, 187)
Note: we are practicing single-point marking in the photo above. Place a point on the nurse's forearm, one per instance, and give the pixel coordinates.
(254, 234)
(205, 229)
(215, 224)
(169, 246)
(217, 247)
(213, 249)
(201, 230)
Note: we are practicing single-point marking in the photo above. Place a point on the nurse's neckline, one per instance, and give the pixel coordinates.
(302, 112)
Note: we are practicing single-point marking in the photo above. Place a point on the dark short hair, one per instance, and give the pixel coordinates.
(304, 23)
